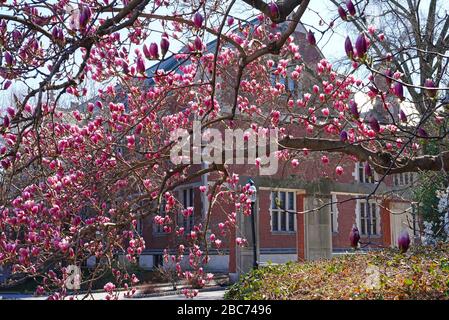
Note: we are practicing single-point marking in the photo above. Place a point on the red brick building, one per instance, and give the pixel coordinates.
(292, 229)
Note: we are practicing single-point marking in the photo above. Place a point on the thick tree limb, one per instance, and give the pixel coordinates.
(381, 161)
(285, 8)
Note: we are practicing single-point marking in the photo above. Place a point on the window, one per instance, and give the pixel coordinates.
(403, 179)
(158, 260)
(334, 213)
(283, 211)
(361, 174)
(139, 226)
(158, 228)
(415, 220)
(369, 220)
(186, 198)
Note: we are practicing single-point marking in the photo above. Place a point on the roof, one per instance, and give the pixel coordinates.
(171, 62)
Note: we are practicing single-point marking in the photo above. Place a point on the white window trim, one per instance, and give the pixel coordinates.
(280, 210)
(378, 218)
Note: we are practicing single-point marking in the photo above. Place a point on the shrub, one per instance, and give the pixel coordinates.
(423, 273)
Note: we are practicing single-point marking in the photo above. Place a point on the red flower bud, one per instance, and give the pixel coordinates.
(7, 84)
(353, 108)
(198, 20)
(8, 58)
(311, 38)
(404, 241)
(354, 237)
(430, 88)
(198, 44)
(230, 21)
(351, 7)
(165, 44)
(368, 170)
(403, 116)
(349, 48)
(84, 17)
(274, 11)
(54, 33)
(140, 65)
(343, 136)
(342, 13)
(422, 133)
(154, 51)
(6, 121)
(374, 124)
(361, 46)
(16, 36)
(399, 91)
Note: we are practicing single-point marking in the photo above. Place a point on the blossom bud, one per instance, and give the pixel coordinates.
(399, 91)
(353, 108)
(374, 124)
(9, 58)
(154, 51)
(354, 237)
(403, 116)
(140, 65)
(342, 13)
(198, 20)
(351, 7)
(430, 88)
(422, 133)
(198, 44)
(368, 170)
(274, 11)
(361, 46)
(349, 48)
(311, 38)
(343, 136)
(165, 44)
(404, 241)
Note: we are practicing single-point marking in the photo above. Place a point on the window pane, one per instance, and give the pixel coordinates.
(406, 178)
(361, 175)
(274, 221)
(291, 222)
(362, 217)
(374, 217)
(191, 197)
(273, 200)
(282, 199)
(283, 221)
(291, 201)
(191, 222)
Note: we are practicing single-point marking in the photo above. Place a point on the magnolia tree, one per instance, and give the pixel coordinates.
(76, 181)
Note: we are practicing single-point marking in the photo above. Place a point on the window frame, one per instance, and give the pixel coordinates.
(362, 220)
(289, 211)
(187, 199)
(158, 229)
(360, 174)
